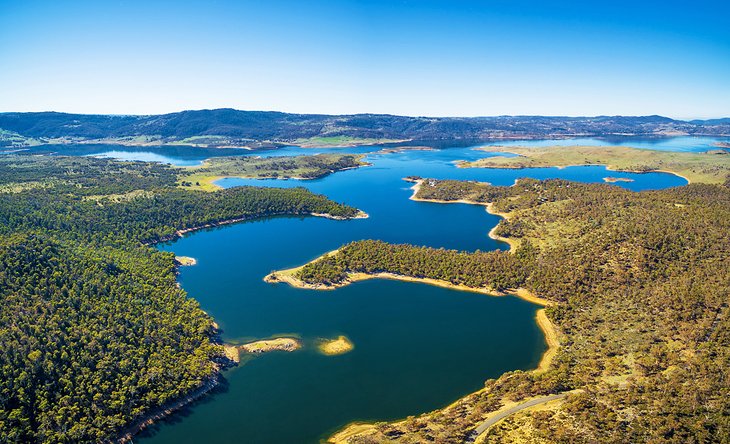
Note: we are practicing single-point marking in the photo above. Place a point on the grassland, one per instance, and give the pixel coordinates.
(297, 167)
(708, 167)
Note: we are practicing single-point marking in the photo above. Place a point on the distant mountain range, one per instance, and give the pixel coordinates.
(229, 127)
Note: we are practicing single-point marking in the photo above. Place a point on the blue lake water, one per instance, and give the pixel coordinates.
(188, 155)
(417, 347)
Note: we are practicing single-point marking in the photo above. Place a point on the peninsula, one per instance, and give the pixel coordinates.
(77, 233)
(255, 167)
(269, 345)
(593, 277)
(708, 167)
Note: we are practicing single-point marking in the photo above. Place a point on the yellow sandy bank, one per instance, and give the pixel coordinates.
(513, 243)
(267, 345)
(337, 346)
(185, 261)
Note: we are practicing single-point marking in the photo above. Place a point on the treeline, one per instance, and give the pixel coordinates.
(305, 167)
(494, 270)
(641, 285)
(82, 176)
(94, 331)
(149, 218)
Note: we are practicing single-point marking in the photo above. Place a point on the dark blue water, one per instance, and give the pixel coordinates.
(417, 347)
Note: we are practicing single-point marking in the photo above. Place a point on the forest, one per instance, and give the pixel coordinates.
(638, 285)
(274, 167)
(94, 331)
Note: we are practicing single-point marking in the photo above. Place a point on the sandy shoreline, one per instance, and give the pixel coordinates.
(338, 346)
(470, 164)
(551, 338)
(180, 233)
(549, 330)
(513, 243)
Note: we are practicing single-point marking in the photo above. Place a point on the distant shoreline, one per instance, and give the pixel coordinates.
(534, 155)
(180, 233)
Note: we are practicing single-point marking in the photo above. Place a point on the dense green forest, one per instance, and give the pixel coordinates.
(494, 270)
(94, 331)
(640, 285)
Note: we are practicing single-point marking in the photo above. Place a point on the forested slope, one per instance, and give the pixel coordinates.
(640, 285)
(94, 331)
(229, 127)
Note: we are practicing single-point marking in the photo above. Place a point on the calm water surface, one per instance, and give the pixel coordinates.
(187, 155)
(417, 347)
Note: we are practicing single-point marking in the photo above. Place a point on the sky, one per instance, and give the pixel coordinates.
(425, 58)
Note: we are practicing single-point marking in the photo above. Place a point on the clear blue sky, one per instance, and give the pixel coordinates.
(400, 57)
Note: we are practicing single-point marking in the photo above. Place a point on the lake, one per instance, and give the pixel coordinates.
(417, 347)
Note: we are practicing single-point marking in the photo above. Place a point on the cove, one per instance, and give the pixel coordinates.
(417, 347)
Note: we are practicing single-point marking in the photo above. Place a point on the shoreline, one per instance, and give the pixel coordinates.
(282, 343)
(513, 243)
(343, 434)
(230, 351)
(334, 347)
(182, 232)
(468, 164)
(167, 409)
(548, 329)
(208, 183)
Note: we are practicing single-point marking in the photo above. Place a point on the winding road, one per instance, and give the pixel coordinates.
(500, 415)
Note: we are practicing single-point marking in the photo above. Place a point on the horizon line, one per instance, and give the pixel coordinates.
(683, 119)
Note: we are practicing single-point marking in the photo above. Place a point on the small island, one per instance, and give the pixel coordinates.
(403, 149)
(617, 179)
(268, 345)
(338, 346)
(185, 261)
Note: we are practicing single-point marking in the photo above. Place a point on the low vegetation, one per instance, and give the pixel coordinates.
(94, 331)
(269, 345)
(708, 167)
(300, 167)
(639, 285)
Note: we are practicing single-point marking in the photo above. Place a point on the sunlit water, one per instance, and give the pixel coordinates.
(417, 347)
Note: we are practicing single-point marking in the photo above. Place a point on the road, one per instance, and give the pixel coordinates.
(483, 427)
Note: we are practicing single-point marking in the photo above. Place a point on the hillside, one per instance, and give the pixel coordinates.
(636, 285)
(229, 127)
